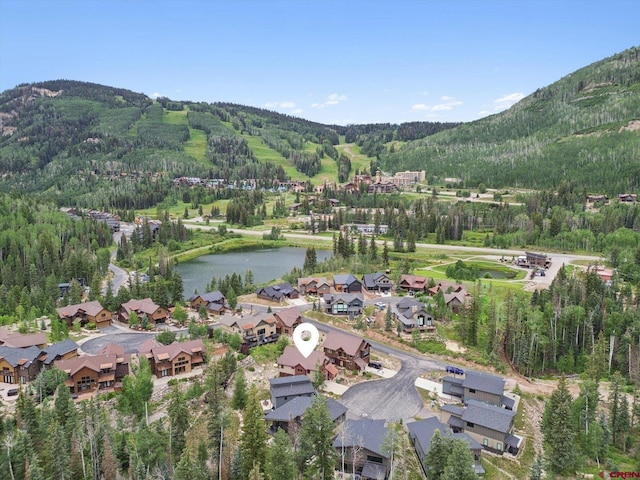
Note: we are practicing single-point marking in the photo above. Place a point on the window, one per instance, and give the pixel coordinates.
(472, 390)
(470, 424)
(499, 446)
(485, 442)
(261, 331)
(371, 458)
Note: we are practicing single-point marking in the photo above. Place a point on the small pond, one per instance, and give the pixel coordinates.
(267, 264)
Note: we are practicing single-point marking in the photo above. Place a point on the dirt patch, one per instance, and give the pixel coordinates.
(632, 126)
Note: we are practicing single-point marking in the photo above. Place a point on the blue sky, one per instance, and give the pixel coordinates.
(329, 61)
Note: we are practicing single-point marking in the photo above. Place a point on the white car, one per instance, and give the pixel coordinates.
(381, 305)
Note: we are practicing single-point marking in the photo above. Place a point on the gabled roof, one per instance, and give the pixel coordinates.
(278, 291)
(367, 433)
(11, 338)
(348, 298)
(170, 352)
(90, 308)
(350, 344)
(296, 385)
(292, 357)
(215, 297)
(372, 279)
(22, 357)
(344, 279)
(423, 430)
(247, 322)
(146, 305)
(288, 316)
(318, 281)
(413, 281)
(460, 296)
(58, 349)
(92, 362)
(490, 416)
(484, 382)
(296, 408)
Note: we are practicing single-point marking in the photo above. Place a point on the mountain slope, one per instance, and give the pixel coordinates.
(582, 128)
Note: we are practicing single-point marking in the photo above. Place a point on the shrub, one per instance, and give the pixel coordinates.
(91, 326)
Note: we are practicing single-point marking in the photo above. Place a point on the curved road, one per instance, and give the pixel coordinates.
(392, 398)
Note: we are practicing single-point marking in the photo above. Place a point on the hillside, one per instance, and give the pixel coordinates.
(93, 145)
(97, 146)
(583, 128)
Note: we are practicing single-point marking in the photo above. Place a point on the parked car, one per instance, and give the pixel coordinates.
(12, 392)
(454, 370)
(381, 305)
(376, 365)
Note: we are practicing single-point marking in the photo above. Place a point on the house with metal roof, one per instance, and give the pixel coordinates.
(344, 304)
(278, 293)
(366, 436)
(19, 365)
(346, 283)
(285, 389)
(294, 410)
(412, 315)
(421, 432)
(377, 282)
(215, 302)
(489, 425)
(481, 386)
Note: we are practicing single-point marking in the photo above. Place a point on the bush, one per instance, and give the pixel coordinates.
(91, 326)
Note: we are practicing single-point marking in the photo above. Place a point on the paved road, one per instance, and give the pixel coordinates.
(392, 398)
(129, 341)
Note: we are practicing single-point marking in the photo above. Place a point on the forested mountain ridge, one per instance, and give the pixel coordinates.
(582, 128)
(97, 146)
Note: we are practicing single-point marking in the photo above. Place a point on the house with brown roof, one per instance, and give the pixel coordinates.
(456, 301)
(143, 308)
(254, 330)
(314, 286)
(87, 312)
(173, 359)
(347, 351)
(215, 302)
(287, 320)
(413, 283)
(12, 338)
(94, 373)
(292, 362)
(446, 286)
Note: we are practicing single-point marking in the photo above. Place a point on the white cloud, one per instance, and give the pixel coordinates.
(333, 99)
(284, 104)
(508, 100)
(448, 103)
(156, 95)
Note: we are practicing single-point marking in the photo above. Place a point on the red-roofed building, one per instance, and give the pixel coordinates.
(87, 312)
(292, 362)
(347, 351)
(413, 283)
(170, 360)
(287, 320)
(103, 373)
(145, 307)
(11, 338)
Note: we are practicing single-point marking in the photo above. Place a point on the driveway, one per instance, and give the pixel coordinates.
(129, 341)
(392, 398)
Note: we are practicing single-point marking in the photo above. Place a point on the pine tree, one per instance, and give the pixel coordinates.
(310, 261)
(385, 254)
(280, 462)
(240, 396)
(253, 441)
(558, 430)
(373, 249)
(317, 455)
(460, 462)
(179, 420)
(436, 460)
(537, 468)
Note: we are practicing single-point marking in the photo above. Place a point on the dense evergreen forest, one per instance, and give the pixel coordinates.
(582, 128)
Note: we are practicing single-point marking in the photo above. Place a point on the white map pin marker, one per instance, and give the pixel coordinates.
(306, 337)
